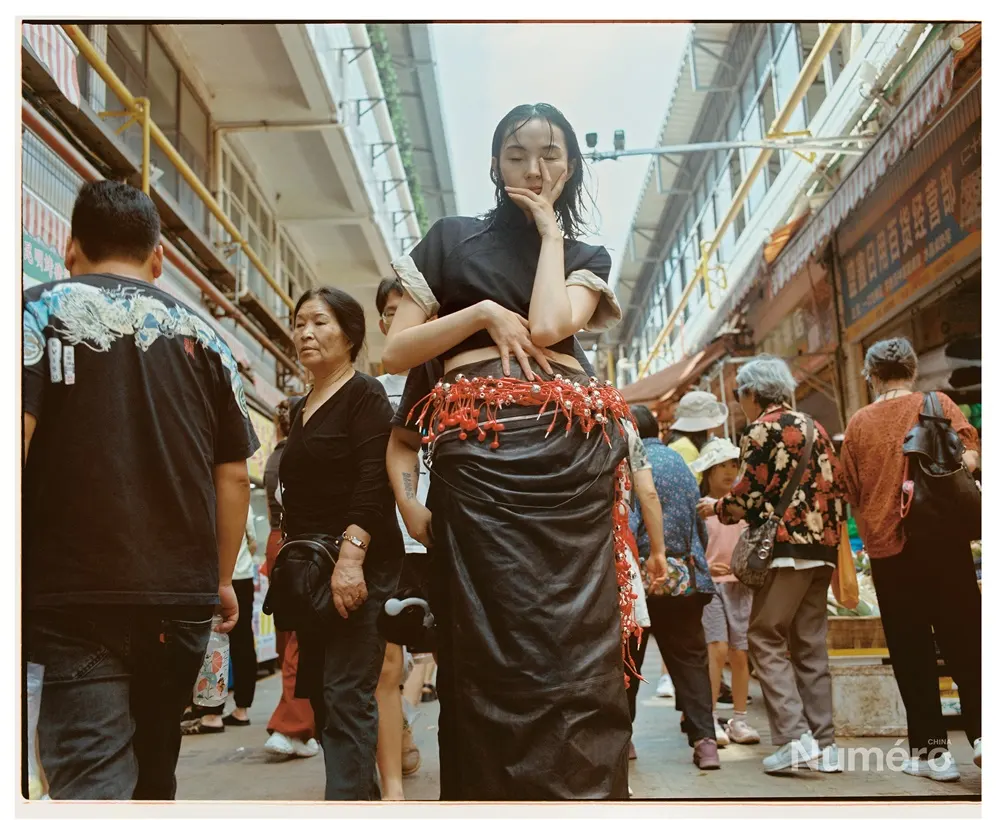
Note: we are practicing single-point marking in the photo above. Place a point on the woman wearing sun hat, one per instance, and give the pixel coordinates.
(726, 618)
(697, 414)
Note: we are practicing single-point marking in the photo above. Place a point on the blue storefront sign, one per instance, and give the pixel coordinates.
(935, 223)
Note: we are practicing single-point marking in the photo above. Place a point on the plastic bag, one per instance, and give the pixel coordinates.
(38, 787)
(212, 686)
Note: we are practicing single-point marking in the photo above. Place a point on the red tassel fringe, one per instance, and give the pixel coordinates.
(591, 406)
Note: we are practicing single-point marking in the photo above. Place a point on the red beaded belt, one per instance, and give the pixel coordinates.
(594, 405)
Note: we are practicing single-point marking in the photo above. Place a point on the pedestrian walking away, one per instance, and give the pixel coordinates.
(124, 382)
(928, 595)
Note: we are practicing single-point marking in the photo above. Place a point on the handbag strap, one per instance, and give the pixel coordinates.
(800, 468)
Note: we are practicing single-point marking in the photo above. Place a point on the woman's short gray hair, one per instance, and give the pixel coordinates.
(767, 378)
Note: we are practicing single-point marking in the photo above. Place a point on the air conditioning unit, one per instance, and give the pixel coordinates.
(954, 367)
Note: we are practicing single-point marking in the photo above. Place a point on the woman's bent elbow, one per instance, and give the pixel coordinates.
(548, 336)
(391, 361)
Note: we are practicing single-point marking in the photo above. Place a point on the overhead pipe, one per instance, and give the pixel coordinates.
(75, 160)
(810, 70)
(101, 66)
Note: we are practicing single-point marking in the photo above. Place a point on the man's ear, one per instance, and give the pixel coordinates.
(156, 263)
(71, 255)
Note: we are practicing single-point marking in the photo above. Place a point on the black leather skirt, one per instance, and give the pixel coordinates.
(523, 586)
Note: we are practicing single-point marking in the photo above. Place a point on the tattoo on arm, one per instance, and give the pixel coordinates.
(410, 482)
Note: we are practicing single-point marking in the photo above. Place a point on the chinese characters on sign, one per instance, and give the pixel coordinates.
(39, 263)
(917, 230)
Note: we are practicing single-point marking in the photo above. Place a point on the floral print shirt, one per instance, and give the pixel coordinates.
(771, 448)
(684, 532)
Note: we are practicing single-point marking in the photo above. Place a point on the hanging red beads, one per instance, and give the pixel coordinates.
(462, 404)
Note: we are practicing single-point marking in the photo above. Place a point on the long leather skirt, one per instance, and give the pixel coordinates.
(524, 589)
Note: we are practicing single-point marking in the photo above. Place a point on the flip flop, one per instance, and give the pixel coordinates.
(196, 727)
(229, 720)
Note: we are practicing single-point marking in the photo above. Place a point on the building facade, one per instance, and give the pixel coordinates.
(733, 253)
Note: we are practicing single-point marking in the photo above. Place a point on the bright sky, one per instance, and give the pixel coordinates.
(603, 77)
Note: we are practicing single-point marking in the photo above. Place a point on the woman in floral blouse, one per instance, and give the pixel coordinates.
(789, 611)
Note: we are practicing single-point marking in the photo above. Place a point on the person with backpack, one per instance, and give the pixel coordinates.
(925, 578)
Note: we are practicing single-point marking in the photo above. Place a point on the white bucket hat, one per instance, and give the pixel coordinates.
(716, 451)
(698, 411)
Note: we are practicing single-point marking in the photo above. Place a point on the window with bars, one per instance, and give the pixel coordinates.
(296, 277)
(142, 63)
(245, 207)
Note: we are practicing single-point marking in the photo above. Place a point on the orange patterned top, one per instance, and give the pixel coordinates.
(872, 459)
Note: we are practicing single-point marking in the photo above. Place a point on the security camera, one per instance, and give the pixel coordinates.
(592, 139)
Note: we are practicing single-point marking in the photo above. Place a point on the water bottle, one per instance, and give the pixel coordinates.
(212, 686)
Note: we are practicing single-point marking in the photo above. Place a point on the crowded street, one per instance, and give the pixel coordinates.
(234, 765)
(403, 420)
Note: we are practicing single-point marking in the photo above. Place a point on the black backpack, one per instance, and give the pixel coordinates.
(940, 496)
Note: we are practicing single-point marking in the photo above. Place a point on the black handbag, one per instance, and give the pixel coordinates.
(299, 594)
(939, 495)
(751, 559)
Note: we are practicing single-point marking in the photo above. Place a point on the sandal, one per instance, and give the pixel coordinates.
(428, 694)
(196, 727)
(229, 720)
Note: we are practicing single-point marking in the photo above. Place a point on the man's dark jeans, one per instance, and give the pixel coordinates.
(117, 680)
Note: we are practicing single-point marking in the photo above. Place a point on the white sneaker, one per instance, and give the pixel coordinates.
(665, 688)
(721, 738)
(943, 769)
(308, 749)
(830, 761)
(794, 753)
(977, 752)
(279, 746)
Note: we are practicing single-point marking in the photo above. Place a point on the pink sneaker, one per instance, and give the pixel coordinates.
(740, 731)
(706, 754)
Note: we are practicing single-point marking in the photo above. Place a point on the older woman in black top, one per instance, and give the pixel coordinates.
(531, 580)
(334, 488)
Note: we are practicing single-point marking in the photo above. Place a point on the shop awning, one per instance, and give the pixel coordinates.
(57, 53)
(659, 386)
(892, 143)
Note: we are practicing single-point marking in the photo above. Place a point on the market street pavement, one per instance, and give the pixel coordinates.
(232, 765)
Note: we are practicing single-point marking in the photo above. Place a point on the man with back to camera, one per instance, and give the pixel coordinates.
(135, 497)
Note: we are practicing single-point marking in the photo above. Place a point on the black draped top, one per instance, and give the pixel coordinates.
(464, 260)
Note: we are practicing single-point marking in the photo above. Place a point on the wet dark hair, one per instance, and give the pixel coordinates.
(113, 220)
(569, 208)
(386, 288)
(347, 310)
(891, 360)
(645, 421)
(282, 417)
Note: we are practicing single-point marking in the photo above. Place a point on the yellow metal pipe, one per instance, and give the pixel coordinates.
(146, 120)
(811, 68)
(115, 84)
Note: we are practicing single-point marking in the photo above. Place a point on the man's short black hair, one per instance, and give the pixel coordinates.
(114, 220)
(386, 288)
